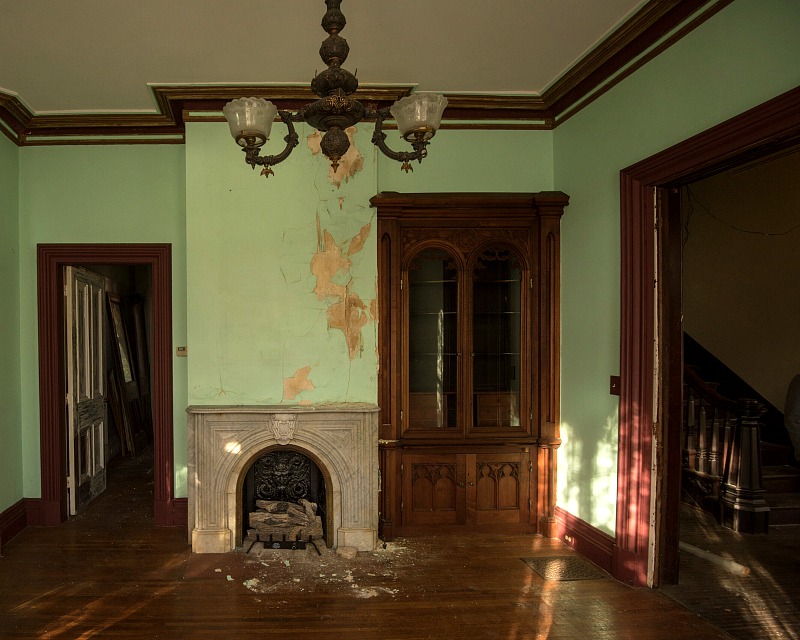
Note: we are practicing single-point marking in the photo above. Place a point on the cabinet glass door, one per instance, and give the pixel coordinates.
(496, 333)
(432, 340)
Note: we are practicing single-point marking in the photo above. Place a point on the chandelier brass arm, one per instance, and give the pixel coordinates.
(418, 139)
(253, 143)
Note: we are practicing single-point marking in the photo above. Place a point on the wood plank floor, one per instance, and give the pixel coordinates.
(763, 604)
(109, 573)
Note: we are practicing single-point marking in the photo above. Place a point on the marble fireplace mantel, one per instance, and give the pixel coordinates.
(223, 441)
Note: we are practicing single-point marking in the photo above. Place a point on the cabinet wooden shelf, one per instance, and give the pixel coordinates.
(469, 372)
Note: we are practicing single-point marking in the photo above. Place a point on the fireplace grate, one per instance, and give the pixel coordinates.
(298, 544)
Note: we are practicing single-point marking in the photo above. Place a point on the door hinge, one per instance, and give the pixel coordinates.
(401, 506)
(69, 483)
(529, 504)
(66, 290)
(402, 468)
(531, 283)
(530, 466)
(401, 284)
(530, 418)
(401, 415)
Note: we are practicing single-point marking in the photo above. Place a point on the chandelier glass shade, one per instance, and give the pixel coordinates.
(418, 115)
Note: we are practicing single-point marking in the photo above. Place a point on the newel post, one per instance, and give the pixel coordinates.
(743, 506)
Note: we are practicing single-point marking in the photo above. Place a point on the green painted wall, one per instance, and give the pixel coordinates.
(741, 57)
(468, 160)
(10, 417)
(97, 194)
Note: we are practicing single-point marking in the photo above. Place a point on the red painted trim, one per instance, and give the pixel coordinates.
(587, 540)
(33, 509)
(180, 512)
(51, 259)
(636, 367)
(768, 127)
(12, 521)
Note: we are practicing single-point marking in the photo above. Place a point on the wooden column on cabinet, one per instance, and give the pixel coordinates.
(549, 256)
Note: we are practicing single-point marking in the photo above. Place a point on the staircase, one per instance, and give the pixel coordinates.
(704, 458)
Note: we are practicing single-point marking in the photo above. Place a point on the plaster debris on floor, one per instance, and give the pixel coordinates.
(368, 574)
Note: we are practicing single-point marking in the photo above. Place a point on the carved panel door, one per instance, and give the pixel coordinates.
(471, 488)
(433, 489)
(498, 488)
(86, 402)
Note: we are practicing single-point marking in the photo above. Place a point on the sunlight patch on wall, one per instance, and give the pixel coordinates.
(587, 473)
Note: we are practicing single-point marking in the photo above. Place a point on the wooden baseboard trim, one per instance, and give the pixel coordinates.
(12, 521)
(180, 512)
(587, 540)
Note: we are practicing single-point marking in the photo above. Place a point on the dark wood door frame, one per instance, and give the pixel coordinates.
(771, 126)
(51, 259)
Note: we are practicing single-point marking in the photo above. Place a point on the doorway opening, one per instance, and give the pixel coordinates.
(108, 355)
(648, 196)
(51, 260)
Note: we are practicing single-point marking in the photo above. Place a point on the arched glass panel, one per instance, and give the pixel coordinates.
(432, 340)
(496, 333)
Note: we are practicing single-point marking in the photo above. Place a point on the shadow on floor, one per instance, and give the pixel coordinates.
(761, 605)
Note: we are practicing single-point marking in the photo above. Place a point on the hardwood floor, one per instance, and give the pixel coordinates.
(109, 573)
(760, 605)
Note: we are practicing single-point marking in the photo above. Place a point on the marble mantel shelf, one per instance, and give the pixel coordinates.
(352, 407)
(224, 440)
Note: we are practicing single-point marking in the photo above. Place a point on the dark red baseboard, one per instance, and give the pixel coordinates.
(180, 512)
(587, 540)
(12, 521)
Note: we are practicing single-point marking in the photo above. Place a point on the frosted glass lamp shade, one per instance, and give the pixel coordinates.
(419, 113)
(250, 117)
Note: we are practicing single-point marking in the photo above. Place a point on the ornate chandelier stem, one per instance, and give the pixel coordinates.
(418, 115)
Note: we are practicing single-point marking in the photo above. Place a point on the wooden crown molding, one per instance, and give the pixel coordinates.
(626, 49)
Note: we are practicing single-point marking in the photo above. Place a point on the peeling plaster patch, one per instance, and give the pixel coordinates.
(349, 314)
(296, 384)
(326, 263)
(351, 163)
(357, 243)
(373, 310)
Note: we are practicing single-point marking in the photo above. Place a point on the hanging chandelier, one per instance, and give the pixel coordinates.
(418, 115)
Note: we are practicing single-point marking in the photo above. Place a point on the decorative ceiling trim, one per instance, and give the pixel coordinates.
(656, 26)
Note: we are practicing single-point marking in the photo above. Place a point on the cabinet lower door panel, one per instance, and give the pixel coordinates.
(433, 489)
(471, 489)
(498, 488)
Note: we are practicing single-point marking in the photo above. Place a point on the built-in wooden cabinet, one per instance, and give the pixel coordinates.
(469, 347)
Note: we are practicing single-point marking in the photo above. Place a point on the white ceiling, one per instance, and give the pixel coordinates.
(95, 56)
